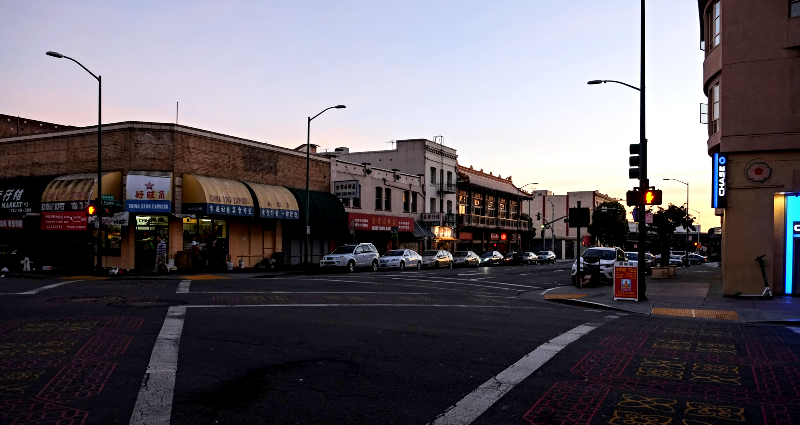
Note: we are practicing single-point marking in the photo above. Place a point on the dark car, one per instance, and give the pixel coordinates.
(546, 257)
(697, 259)
(466, 258)
(521, 258)
(491, 258)
(508, 258)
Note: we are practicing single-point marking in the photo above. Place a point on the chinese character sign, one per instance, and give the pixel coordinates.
(148, 193)
(347, 189)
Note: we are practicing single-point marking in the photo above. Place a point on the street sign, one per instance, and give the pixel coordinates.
(108, 197)
(648, 218)
(626, 282)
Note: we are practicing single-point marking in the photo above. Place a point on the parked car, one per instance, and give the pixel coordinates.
(675, 260)
(466, 258)
(546, 257)
(597, 262)
(651, 260)
(352, 256)
(491, 258)
(525, 258)
(508, 258)
(633, 259)
(437, 258)
(400, 259)
(697, 259)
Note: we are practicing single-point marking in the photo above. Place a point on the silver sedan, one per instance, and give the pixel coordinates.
(400, 259)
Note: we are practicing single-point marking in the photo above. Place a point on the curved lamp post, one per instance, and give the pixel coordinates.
(687, 217)
(99, 159)
(308, 165)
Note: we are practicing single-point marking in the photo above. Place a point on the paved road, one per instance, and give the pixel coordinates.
(443, 346)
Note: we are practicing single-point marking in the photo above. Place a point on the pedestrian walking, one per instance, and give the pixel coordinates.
(161, 254)
(196, 253)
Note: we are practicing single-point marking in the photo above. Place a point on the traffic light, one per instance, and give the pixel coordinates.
(91, 210)
(633, 161)
(503, 236)
(631, 198)
(651, 197)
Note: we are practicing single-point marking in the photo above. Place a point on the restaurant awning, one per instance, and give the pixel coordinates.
(275, 202)
(215, 196)
(325, 209)
(72, 192)
(422, 232)
(22, 195)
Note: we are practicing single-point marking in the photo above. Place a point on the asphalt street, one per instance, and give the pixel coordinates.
(454, 346)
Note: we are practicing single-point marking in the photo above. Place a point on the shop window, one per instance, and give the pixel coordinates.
(406, 200)
(387, 200)
(433, 205)
(378, 198)
(794, 9)
(714, 98)
(112, 242)
(414, 202)
(433, 175)
(346, 202)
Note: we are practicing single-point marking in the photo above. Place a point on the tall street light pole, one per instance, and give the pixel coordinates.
(308, 168)
(519, 213)
(687, 217)
(643, 182)
(99, 199)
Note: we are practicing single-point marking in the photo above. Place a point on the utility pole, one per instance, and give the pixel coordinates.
(578, 236)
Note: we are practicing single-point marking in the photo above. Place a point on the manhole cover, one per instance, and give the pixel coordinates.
(140, 304)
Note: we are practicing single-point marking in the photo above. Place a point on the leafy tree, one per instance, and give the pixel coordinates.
(665, 221)
(526, 218)
(609, 224)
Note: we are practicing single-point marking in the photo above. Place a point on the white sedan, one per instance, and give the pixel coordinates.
(400, 259)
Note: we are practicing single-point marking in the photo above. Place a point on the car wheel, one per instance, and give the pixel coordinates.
(374, 266)
(436, 266)
(351, 266)
(402, 265)
(419, 265)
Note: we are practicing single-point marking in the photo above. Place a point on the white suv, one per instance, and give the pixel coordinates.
(352, 256)
(600, 259)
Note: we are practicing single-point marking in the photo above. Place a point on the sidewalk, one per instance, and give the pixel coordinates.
(694, 292)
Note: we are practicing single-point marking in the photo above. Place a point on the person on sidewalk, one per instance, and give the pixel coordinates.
(196, 254)
(161, 254)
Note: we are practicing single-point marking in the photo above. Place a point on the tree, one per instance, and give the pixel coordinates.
(665, 221)
(609, 224)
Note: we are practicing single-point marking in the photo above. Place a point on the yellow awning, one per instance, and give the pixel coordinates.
(275, 201)
(215, 196)
(72, 192)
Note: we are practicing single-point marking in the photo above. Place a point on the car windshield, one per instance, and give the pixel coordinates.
(487, 254)
(632, 256)
(542, 253)
(603, 254)
(395, 253)
(460, 254)
(344, 250)
(429, 253)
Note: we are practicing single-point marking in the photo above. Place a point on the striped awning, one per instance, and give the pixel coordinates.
(275, 202)
(216, 196)
(72, 192)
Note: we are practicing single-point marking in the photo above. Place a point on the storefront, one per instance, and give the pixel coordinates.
(327, 222)
(20, 208)
(275, 205)
(385, 232)
(148, 200)
(444, 238)
(69, 240)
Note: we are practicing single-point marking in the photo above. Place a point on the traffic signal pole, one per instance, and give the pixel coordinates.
(643, 182)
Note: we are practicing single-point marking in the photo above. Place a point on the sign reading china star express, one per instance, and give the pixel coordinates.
(148, 194)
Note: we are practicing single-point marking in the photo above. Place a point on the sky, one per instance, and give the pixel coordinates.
(504, 82)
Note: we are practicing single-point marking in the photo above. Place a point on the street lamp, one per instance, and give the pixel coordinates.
(308, 165)
(643, 182)
(687, 217)
(519, 213)
(99, 198)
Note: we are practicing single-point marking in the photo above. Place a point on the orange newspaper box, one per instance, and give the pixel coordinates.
(626, 282)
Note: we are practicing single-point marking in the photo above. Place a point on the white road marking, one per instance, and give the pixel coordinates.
(154, 403)
(395, 284)
(183, 287)
(313, 292)
(44, 288)
(509, 307)
(475, 403)
(793, 329)
(546, 291)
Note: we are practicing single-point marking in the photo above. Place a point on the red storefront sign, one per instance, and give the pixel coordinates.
(68, 220)
(626, 282)
(10, 223)
(379, 223)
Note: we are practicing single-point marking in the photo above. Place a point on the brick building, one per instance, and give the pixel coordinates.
(183, 183)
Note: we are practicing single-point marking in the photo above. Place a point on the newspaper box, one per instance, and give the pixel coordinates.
(626, 281)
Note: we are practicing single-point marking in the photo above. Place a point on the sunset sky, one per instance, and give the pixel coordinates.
(504, 81)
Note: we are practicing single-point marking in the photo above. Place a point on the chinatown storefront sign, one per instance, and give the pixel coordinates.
(148, 193)
(380, 223)
(69, 220)
(432, 218)
(443, 232)
(347, 189)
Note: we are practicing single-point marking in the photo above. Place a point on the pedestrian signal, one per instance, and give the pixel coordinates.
(91, 210)
(652, 197)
